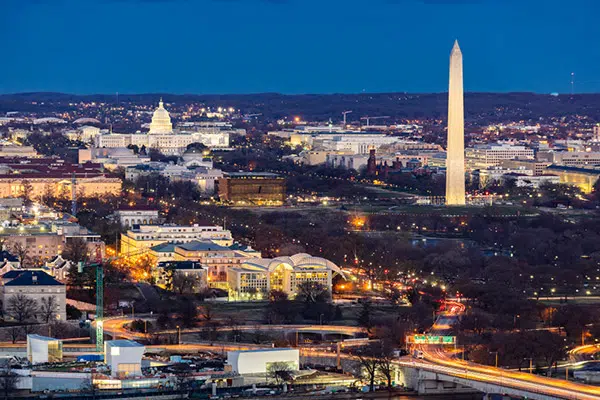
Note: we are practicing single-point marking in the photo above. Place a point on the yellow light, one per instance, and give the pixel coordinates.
(297, 119)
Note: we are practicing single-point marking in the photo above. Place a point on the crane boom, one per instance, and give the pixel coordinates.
(344, 113)
(370, 118)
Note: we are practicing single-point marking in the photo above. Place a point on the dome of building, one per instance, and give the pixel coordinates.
(193, 153)
(161, 121)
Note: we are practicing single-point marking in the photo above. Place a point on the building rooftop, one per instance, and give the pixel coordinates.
(197, 245)
(252, 175)
(29, 278)
(240, 247)
(42, 338)
(5, 255)
(123, 343)
(264, 350)
(141, 207)
(180, 265)
(591, 171)
(164, 248)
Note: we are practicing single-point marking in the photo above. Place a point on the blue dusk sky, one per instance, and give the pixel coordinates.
(296, 46)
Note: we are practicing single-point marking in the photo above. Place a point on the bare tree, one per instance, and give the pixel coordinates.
(89, 387)
(386, 362)
(312, 292)
(76, 250)
(21, 251)
(183, 283)
(15, 333)
(48, 307)
(8, 381)
(369, 363)
(22, 308)
(280, 372)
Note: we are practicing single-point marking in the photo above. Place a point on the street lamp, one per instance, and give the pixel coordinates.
(496, 353)
(178, 335)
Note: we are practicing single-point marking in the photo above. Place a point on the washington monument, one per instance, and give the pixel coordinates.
(455, 154)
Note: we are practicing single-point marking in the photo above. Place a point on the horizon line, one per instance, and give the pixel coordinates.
(159, 93)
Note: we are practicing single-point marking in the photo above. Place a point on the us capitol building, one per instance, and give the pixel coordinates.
(162, 137)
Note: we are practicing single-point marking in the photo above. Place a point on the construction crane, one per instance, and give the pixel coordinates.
(370, 118)
(100, 293)
(344, 113)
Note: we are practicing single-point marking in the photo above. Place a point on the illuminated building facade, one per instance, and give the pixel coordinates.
(253, 188)
(141, 238)
(217, 259)
(583, 178)
(39, 177)
(162, 137)
(255, 278)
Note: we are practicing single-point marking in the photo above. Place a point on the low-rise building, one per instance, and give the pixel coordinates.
(571, 158)
(245, 362)
(181, 276)
(18, 151)
(112, 158)
(124, 357)
(253, 188)
(42, 349)
(487, 155)
(538, 167)
(45, 241)
(255, 278)
(493, 175)
(36, 178)
(141, 238)
(583, 178)
(532, 181)
(137, 215)
(217, 259)
(36, 285)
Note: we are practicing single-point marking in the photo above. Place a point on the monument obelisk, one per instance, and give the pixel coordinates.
(455, 153)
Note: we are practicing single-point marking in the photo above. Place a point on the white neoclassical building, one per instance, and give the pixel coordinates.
(163, 137)
(255, 278)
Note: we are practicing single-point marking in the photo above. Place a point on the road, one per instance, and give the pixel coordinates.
(438, 360)
(116, 327)
(435, 358)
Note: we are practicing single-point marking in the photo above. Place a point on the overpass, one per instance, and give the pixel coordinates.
(115, 327)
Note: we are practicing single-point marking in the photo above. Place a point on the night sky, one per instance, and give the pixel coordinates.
(296, 46)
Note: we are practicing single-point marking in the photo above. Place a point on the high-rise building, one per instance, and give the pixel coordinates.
(455, 159)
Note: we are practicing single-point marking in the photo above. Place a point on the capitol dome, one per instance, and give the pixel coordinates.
(161, 121)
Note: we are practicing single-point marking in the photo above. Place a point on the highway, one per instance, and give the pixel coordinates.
(436, 359)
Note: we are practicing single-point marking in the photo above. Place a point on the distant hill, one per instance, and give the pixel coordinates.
(479, 106)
